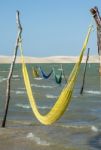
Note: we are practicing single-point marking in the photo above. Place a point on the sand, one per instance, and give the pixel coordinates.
(51, 59)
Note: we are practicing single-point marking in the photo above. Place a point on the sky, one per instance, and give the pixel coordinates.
(50, 27)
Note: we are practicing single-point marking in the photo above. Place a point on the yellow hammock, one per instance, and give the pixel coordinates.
(35, 73)
(64, 99)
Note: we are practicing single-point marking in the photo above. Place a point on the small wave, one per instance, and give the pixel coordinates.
(28, 106)
(23, 106)
(74, 96)
(15, 76)
(21, 88)
(42, 86)
(32, 136)
(16, 79)
(93, 92)
(51, 96)
(96, 110)
(20, 92)
(60, 69)
(3, 79)
(44, 107)
(93, 128)
(38, 78)
(73, 126)
(4, 71)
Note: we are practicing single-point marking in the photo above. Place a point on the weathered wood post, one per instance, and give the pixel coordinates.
(84, 74)
(11, 70)
(96, 15)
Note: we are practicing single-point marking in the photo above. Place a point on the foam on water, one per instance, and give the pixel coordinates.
(44, 107)
(23, 106)
(42, 86)
(16, 79)
(51, 96)
(38, 78)
(18, 92)
(93, 92)
(38, 141)
(15, 76)
(60, 69)
(3, 79)
(4, 71)
(93, 128)
(74, 126)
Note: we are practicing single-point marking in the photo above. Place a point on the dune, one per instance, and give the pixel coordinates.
(51, 59)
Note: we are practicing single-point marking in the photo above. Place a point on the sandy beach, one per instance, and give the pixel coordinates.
(51, 59)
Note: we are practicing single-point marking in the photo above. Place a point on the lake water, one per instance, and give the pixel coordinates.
(78, 129)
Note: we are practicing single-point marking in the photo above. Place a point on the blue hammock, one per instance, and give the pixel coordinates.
(45, 76)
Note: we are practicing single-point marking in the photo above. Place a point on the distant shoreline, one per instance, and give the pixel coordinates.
(51, 59)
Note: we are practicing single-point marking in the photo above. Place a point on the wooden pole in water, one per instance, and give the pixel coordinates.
(84, 75)
(11, 70)
(63, 73)
(96, 15)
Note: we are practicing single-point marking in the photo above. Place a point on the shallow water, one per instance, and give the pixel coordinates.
(78, 129)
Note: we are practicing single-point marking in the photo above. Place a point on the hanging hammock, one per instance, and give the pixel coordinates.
(58, 78)
(45, 76)
(35, 73)
(65, 96)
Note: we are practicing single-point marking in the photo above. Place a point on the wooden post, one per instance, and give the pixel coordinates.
(63, 73)
(11, 70)
(84, 75)
(96, 15)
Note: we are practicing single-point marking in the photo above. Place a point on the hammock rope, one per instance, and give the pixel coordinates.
(65, 96)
